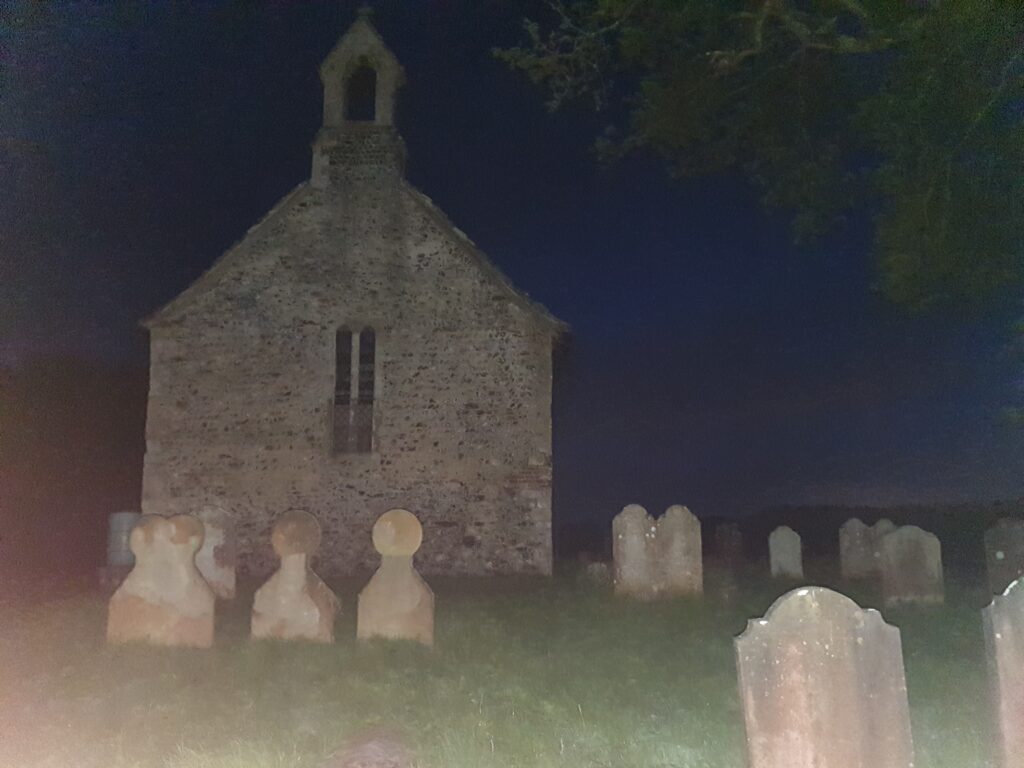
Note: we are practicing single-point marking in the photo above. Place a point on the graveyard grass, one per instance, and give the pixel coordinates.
(525, 673)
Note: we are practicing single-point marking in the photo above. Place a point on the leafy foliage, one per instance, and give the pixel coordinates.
(909, 110)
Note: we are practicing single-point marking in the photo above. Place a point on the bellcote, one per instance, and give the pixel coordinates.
(361, 77)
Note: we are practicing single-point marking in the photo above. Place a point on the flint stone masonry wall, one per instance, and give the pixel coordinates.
(243, 371)
(242, 380)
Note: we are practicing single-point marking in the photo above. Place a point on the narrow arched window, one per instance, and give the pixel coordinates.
(355, 361)
(361, 95)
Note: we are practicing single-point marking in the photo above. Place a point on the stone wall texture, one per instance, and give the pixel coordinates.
(243, 375)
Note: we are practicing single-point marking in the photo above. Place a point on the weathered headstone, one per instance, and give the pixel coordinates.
(164, 600)
(911, 567)
(784, 553)
(1004, 553)
(217, 557)
(396, 603)
(294, 603)
(729, 544)
(678, 552)
(860, 547)
(120, 559)
(1004, 638)
(633, 553)
(822, 685)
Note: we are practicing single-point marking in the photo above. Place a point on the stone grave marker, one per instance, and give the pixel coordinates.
(822, 684)
(860, 547)
(396, 603)
(729, 544)
(164, 600)
(678, 552)
(784, 553)
(294, 603)
(1004, 553)
(633, 553)
(1004, 640)
(217, 557)
(911, 567)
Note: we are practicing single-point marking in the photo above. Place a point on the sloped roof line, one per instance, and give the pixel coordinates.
(174, 308)
(523, 299)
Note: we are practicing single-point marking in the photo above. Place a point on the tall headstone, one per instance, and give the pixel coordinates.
(911, 567)
(822, 685)
(217, 557)
(785, 553)
(396, 603)
(294, 603)
(678, 551)
(729, 544)
(1004, 638)
(633, 553)
(164, 600)
(1004, 553)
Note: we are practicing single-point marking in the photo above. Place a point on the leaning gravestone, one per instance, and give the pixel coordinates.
(396, 603)
(217, 557)
(784, 553)
(164, 600)
(678, 551)
(822, 684)
(911, 567)
(294, 604)
(633, 553)
(1004, 553)
(729, 544)
(1004, 638)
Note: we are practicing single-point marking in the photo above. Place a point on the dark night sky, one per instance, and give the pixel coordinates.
(711, 362)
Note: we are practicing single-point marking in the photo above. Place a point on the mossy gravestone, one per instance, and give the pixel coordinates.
(1004, 638)
(164, 600)
(294, 603)
(911, 567)
(821, 684)
(396, 604)
(784, 553)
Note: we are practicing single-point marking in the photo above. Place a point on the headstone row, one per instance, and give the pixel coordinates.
(657, 558)
(166, 600)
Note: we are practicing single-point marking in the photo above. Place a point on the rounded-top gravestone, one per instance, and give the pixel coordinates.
(397, 533)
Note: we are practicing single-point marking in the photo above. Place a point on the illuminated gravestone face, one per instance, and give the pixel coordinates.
(294, 604)
(164, 600)
(784, 553)
(911, 567)
(678, 549)
(1004, 639)
(729, 544)
(821, 684)
(1004, 553)
(217, 557)
(396, 604)
(633, 553)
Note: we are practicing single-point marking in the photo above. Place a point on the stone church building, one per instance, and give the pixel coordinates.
(353, 353)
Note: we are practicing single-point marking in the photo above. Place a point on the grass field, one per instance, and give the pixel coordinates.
(525, 673)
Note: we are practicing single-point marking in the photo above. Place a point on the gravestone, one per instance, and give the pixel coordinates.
(1004, 639)
(911, 567)
(164, 600)
(822, 685)
(294, 603)
(1004, 553)
(678, 552)
(633, 553)
(860, 547)
(217, 557)
(729, 544)
(784, 553)
(396, 603)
